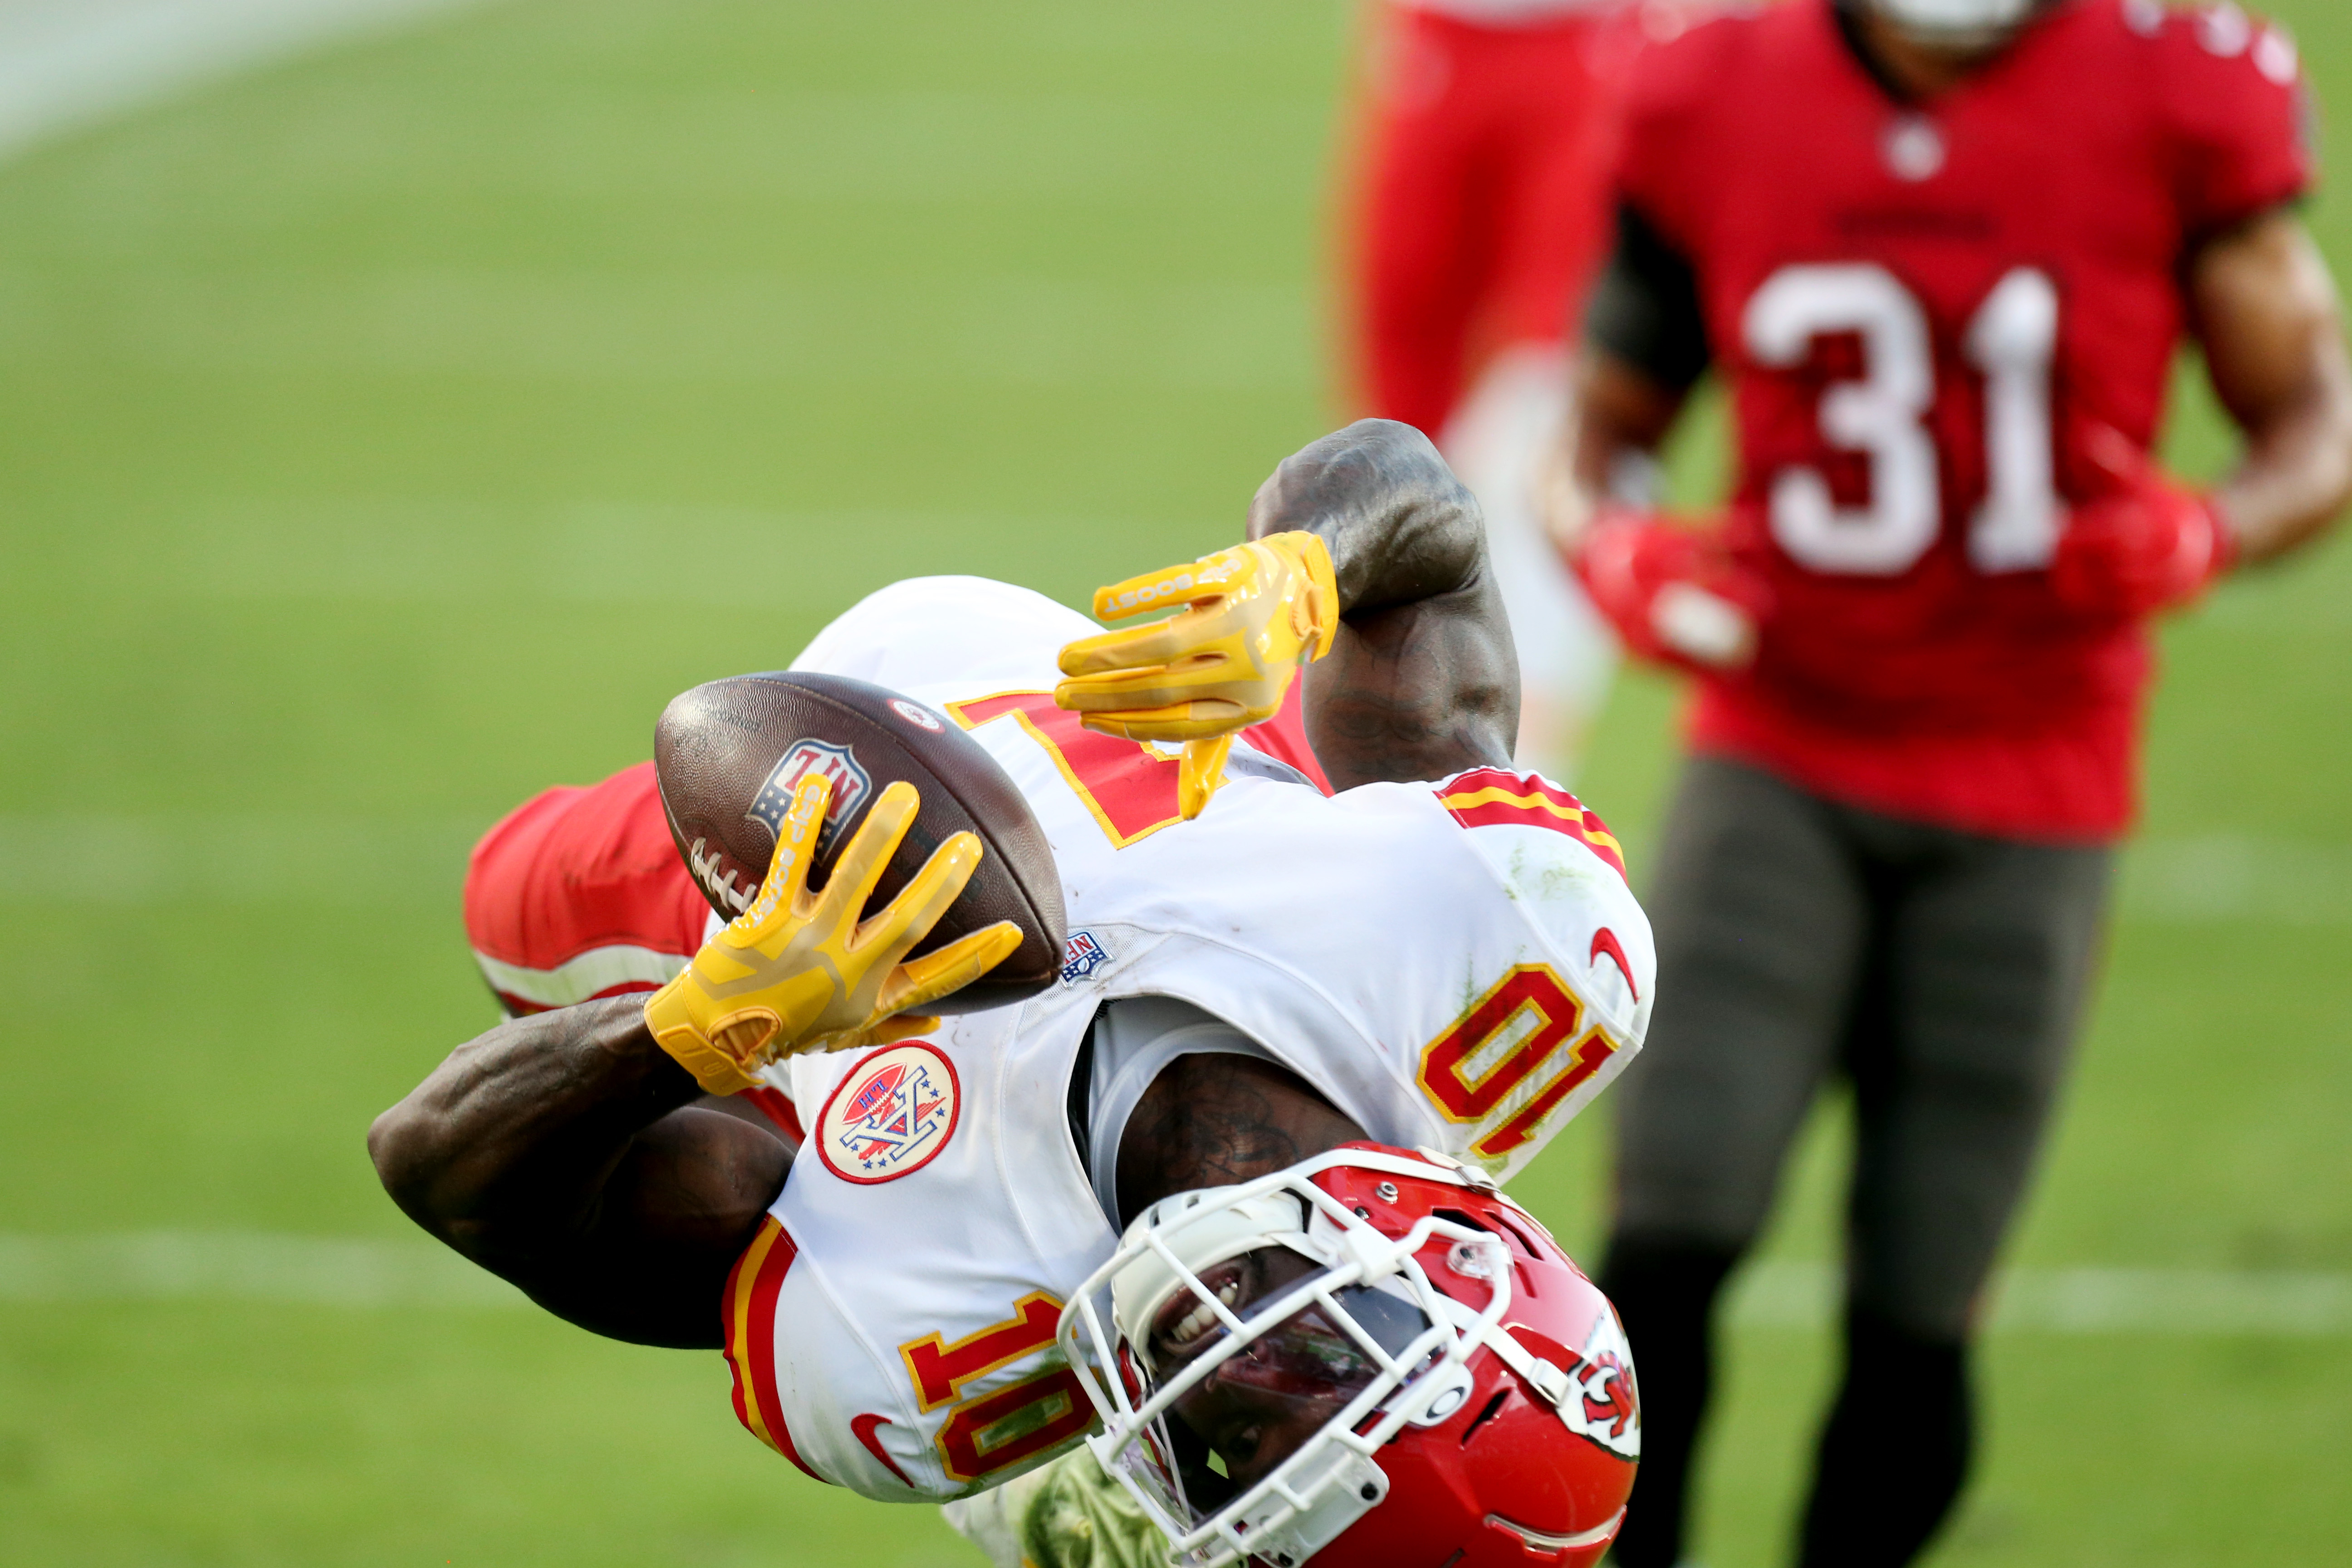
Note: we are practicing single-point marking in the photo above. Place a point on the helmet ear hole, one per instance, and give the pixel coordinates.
(1494, 1408)
(1527, 1246)
(1452, 1391)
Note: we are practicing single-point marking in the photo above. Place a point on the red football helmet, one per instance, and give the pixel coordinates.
(1371, 1360)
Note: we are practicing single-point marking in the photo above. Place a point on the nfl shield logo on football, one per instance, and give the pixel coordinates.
(891, 1116)
(851, 785)
(1084, 955)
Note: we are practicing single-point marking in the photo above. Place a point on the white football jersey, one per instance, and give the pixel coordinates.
(1457, 965)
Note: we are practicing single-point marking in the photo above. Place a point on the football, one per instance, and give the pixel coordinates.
(728, 753)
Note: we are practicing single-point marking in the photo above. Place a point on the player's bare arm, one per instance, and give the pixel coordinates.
(1420, 681)
(1629, 385)
(562, 1152)
(2266, 310)
(1621, 412)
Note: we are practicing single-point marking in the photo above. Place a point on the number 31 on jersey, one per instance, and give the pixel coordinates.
(2012, 342)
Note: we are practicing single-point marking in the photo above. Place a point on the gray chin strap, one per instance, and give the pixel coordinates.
(1960, 23)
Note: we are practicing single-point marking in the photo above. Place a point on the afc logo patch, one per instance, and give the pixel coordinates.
(1084, 955)
(891, 1116)
(851, 785)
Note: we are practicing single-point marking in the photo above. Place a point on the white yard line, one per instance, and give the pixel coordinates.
(356, 862)
(2233, 876)
(232, 1266)
(67, 64)
(173, 1265)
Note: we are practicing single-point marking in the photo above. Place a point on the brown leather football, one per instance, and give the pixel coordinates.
(728, 752)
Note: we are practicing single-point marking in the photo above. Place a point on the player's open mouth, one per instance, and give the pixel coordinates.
(1188, 1322)
(1196, 1327)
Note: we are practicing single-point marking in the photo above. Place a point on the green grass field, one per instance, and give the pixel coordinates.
(387, 435)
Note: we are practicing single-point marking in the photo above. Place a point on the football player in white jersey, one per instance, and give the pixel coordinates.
(1225, 1198)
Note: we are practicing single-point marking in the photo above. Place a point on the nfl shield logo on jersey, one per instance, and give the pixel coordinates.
(851, 785)
(891, 1116)
(1084, 955)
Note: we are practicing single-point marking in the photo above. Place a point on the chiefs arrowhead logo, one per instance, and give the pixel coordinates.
(1603, 1402)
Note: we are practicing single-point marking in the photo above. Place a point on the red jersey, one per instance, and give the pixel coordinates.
(1921, 310)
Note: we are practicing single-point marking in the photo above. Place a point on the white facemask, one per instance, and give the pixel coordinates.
(1963, 23)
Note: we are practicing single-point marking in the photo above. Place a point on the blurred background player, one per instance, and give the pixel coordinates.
(1943, 252)
(1482, 214)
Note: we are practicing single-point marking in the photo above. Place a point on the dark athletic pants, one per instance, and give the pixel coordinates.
(1940, 974)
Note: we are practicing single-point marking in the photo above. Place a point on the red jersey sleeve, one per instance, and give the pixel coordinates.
(580, 893)
(2237, 111)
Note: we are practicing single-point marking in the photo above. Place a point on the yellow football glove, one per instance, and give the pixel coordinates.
(798, 971)
(1253, 614)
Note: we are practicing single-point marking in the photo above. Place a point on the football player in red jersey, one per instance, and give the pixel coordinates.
(1484, 209)
(1482, 215)
(1942, 253)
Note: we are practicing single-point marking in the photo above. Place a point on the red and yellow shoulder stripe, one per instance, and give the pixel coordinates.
(750, 1300)
(1490, 797)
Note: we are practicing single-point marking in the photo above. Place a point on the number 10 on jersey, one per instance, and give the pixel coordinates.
(1513, 1058)
(2012, 342)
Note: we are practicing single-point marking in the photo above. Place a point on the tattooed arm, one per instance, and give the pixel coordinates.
(1421, 681)
(562, 1152)
(1214, 1119)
